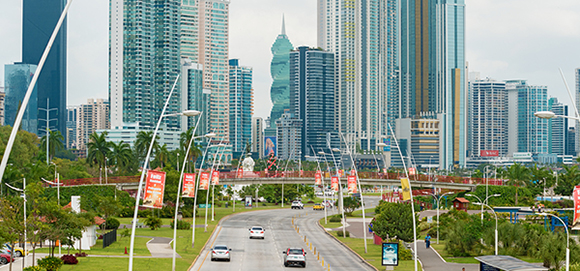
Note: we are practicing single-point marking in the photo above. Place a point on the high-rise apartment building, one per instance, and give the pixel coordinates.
(557, 127)
(192, 94)
(71, 127)
(92, 116)
(571, 142)
(2, 95)
(257, 137)
(204, 39)
(526, 132)
(312, 96)
(17, 78)
(433, 70)
(38, 21)
(241, 107)
(363, 36)
(280, 72)
(289, 137)
(488, 118)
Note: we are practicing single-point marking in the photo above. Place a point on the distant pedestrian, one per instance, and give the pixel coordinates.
(428, 241)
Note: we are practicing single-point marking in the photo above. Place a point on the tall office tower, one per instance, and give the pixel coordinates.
(241, 107)
(577, 135)
(192, 94)
(363, 36)
(557, 127)
(92, 116)
(17, 78)
(312, 96)
(433, 78)
(570, 141)
(280, 71)
(39, 19)
(257, 137)
(488, 118)
(526, 132)
(2, 95)
(289, 137)
(71, 127)
(204, 39)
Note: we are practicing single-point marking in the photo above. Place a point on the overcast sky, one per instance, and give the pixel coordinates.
(506, 39)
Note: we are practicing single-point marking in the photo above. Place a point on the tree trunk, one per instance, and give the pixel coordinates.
(516, 196)
(11, 255)
(33, 253)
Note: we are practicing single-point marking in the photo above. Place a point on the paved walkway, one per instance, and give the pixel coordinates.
(160, 247)
(431, 261)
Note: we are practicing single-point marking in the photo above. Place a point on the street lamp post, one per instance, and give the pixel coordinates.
(567, 238)
(210, 180)
(482, 202)
(340, 196)
(438, 198)
(496, 241)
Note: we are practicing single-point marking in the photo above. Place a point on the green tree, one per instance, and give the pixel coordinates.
(162, 155)
(25, 146)
(98, 149)
(394, 221)
(12, 226)
(121, 156)
(55, 143)
(142, 143)
(350, 204)
(567, 181)
(108, 207)
(518, 175)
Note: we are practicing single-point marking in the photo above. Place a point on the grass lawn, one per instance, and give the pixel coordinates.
(441, 250)
(368, 212)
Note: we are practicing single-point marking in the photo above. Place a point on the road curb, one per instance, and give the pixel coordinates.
(347, 247)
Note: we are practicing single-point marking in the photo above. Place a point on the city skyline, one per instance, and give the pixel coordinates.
(533, 40)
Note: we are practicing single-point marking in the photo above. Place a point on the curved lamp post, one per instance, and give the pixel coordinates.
(340, 198)
(567, 238)
(220, 145)
(482, 202)
(438, 199)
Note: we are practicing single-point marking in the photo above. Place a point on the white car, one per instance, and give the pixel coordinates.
(297, 205)
(220, 252)
(257, 232)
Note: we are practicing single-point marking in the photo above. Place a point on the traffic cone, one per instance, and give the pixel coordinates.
(125, 250)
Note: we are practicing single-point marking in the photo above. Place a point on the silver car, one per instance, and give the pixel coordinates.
(256, 232)
(221, 252)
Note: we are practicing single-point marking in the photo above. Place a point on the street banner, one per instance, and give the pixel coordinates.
(385, 170)
(240, 173)
(318, 178)
(576, 196)
(204, 181)
(301, 172)
(340, 173)
(351, 181)
(188, 185)
(405, 187)
(334, 184)
(390, 256)
(154, 189)
(352, 172)
(412, 171)
(215, 178)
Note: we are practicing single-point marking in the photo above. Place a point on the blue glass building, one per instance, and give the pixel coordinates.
(17, 78)
(241, 107)
(557, 127)
(39, 19)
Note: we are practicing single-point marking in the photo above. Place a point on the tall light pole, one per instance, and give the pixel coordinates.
(482, 202)
(324, 187)
(567, 238)
(213, 185)
(340, 195)
(496, 241)
(210, 181)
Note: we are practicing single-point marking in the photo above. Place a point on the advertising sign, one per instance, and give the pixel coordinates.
(269, 145)
(340, 173)
(405, 187)
(385, 170)
(301, 172)
(488, 153)
(387, 141)
(248, 201)
(204, 181)
(318, 178)
(215, 178)
(351, 184)
(154, 189)
(188, 185)
(352, 172)
(334, 184)
(412, 171)
(390, 256)
(240, 173)
(576, 197)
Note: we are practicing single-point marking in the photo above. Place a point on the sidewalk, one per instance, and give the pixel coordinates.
(354, 225)
(431, 261)
(160, 247)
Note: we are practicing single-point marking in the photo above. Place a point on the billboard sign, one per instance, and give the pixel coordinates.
(387, 141)
(270, 146)
(334, 184)
(188, 185)
(340, 173)
(204, 181)
(215, 178)
(318, 178)
(576, 198)
(489, 153)
(154, 189)
(351, 184)
(390, 255)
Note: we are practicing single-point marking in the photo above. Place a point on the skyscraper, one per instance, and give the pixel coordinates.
(39, 19)
(279, 70)
(92, 116)
(257, 137)
(557, 127)
(193, 96)
(71, 127)
(312, 96)
(363, 37)
(289, 136)
(17, 78)
(570, 141)
(433, 77)
(2, 95)
(241, 107)
(204, 39)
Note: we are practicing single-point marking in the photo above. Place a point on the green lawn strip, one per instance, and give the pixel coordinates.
(440, 248)
(139, 264)
(369, 212)
(117, 248)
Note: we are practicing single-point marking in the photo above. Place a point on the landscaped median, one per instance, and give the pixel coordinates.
(114, 257)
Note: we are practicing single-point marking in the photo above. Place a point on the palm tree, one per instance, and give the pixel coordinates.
(518, 174)
(54, 143)
(143, 141)
(194, 151)
(98, 149)
(162, 155)
(121, 155)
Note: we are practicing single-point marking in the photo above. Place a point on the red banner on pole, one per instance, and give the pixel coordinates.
(301, 173)
(340, 173)
(334, 184)
(351, 184)
(215, 178)
(352, 172)
(318, 178)
(576, 195)
(204, 181)
(153, 197)
(240, 172)
(188, 185)
(412, 171)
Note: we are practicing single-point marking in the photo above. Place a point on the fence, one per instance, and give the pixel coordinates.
(109, 238)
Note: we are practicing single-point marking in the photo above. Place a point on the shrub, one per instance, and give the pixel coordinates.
(69, 259)
(339, 233)
(126, 232)
(50, 263)
(335, 219)
(404, 253)
(112, 223)
(153, 222)
(181, 225)
(33, 268)
(82, 254)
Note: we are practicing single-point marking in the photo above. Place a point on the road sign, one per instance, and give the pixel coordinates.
(204, 206)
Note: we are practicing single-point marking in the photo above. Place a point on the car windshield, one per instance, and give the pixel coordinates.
(256, 228)
(220, 248)
(295, 251)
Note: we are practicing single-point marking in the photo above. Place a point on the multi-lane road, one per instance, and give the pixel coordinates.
(257, 254)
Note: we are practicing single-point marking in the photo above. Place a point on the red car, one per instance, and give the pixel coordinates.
(5, 258)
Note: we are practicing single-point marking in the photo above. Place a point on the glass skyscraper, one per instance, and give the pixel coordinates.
(279, 70)
(192, 94)
(39, 19)
(241, 107)
(557, 127)
(17, 78)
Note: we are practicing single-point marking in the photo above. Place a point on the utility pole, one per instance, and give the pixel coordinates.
(47, 130)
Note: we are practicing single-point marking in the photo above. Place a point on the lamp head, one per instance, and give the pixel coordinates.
(210, 135)
(477, 203)
(335, 149)
(545, 114)
(306, 156)
(469, 195)
(543, 214)
(496, 195)
(381, 144)
(190, 113)
(321, 153)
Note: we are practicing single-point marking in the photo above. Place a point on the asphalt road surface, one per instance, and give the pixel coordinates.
(257, 254)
